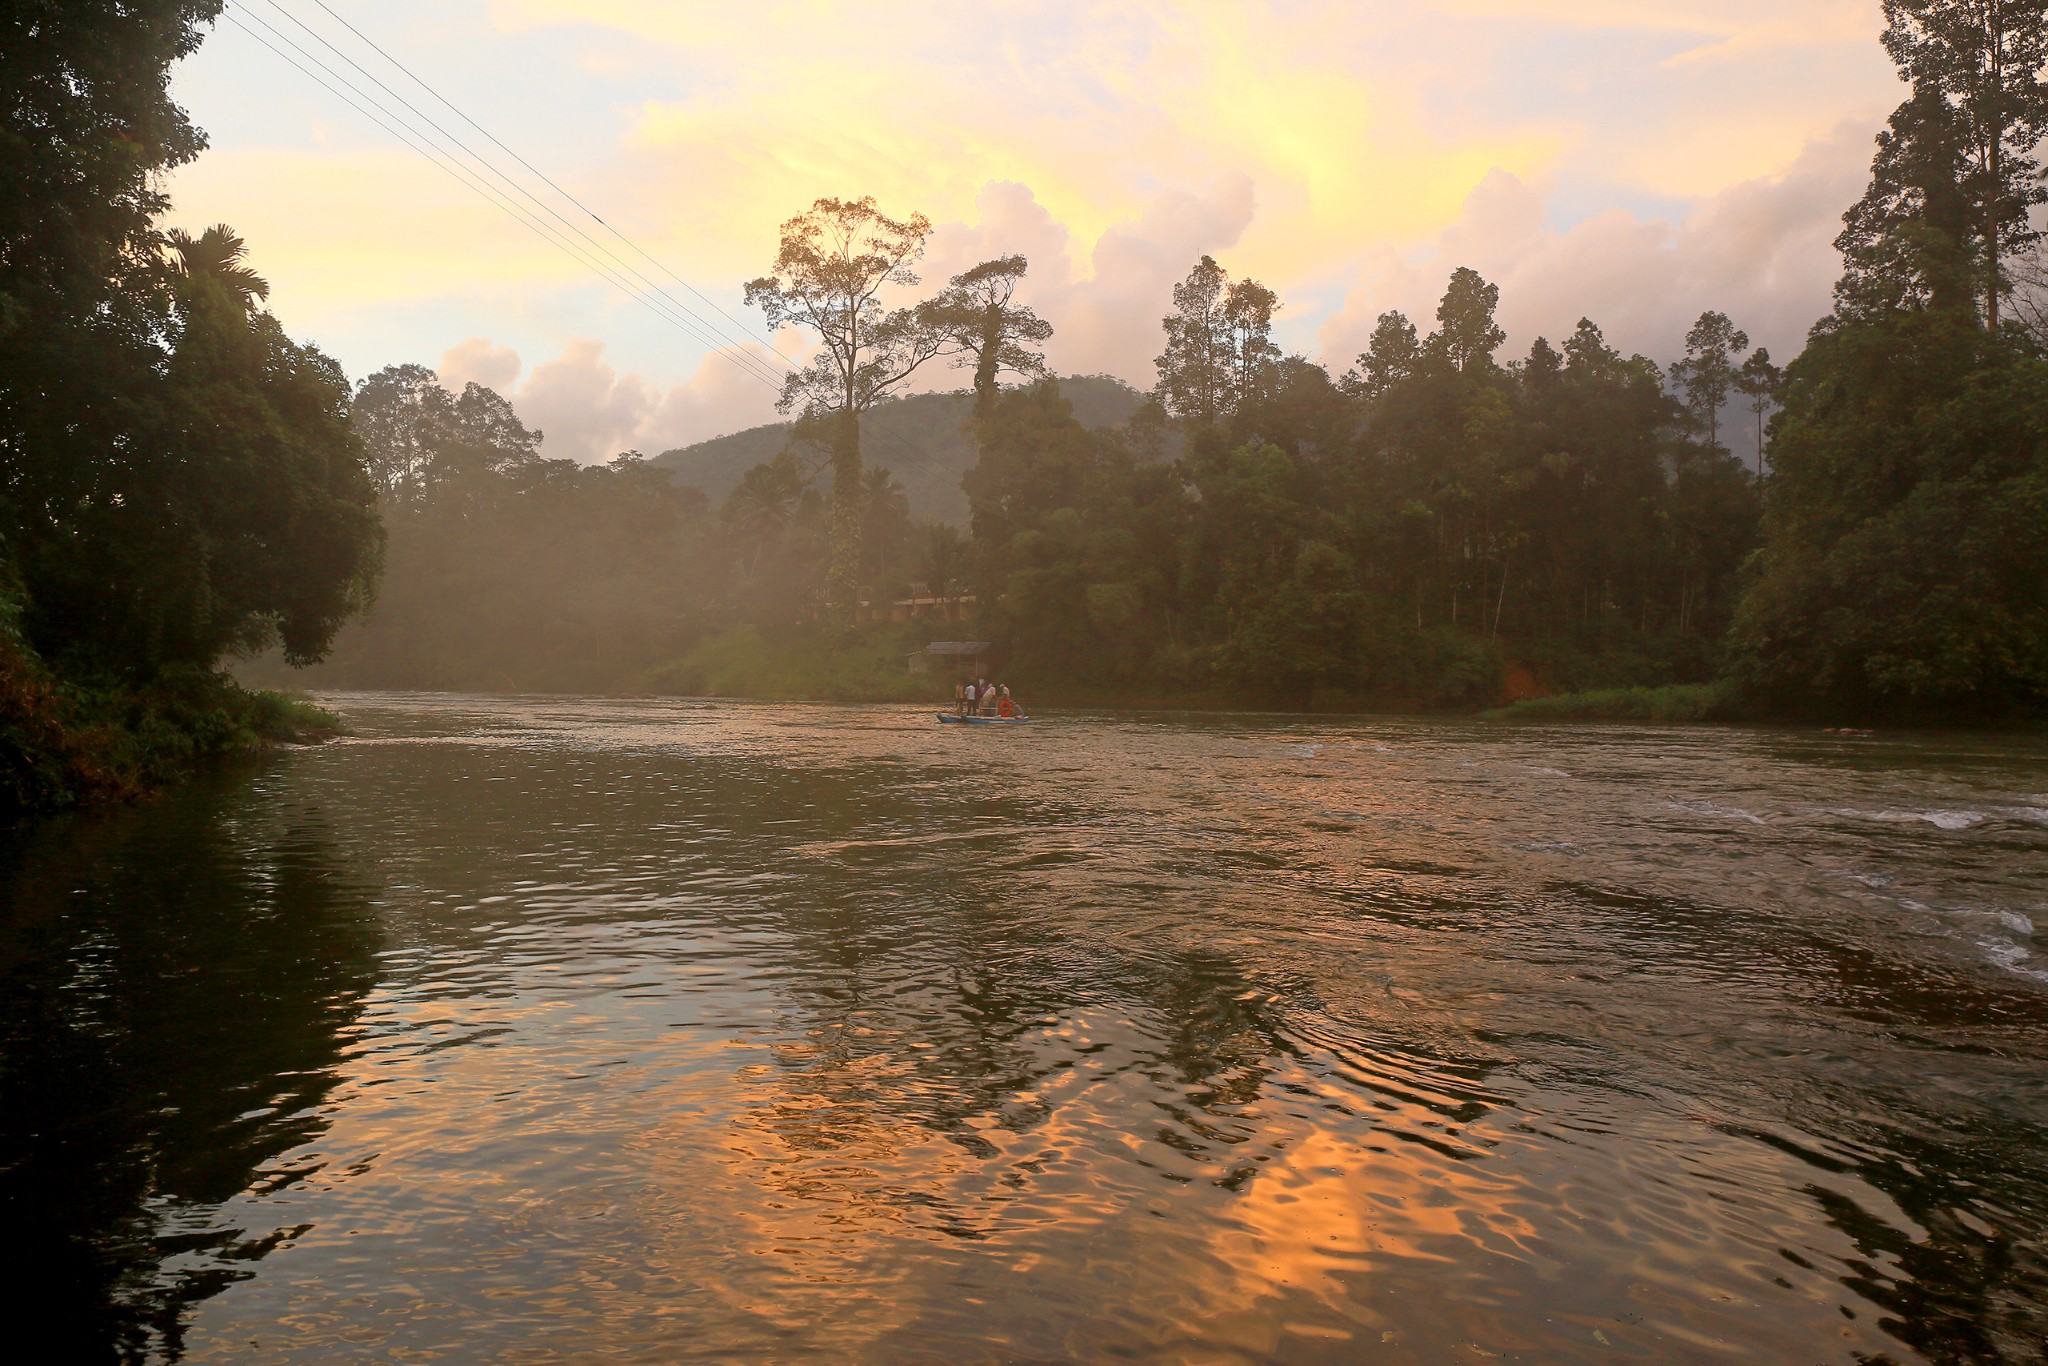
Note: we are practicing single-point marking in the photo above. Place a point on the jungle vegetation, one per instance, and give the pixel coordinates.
(179, 480)
(1439, 525)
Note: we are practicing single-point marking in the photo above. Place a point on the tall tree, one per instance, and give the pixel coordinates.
(416, 433)
(1905, 565)
(218, 253)
(177, 477)
(1760, 382)
(1467, 334)
(1248, 308)
(1219, 345)
(978, 315)
(1195, 368)
(1388, 359)
(1709, 373)
(835, 261)
(1956, 174)
(403, 416)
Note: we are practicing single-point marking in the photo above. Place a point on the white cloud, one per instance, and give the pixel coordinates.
(1105, 310)
(479, 361)
(588, 412)
(1761, 252)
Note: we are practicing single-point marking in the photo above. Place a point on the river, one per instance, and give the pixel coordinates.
(553, 1029)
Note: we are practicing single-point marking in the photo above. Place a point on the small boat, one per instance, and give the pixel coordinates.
(950, 719)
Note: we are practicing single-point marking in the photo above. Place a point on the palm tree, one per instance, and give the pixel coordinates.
(217, 254)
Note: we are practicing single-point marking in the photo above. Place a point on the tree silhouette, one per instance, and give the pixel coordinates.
(1467, 334)
(979, 318)
(1708, 373)
(836, 259)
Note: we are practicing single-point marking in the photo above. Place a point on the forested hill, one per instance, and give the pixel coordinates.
(922, 439)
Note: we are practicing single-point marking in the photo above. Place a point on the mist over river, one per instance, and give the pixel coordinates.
(544, 1029)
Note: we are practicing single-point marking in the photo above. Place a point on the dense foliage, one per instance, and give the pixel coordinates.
(178, 479)
(507, 570)
(1439, 526)
(1906, 566)
(1406, 535)
(1426, 531)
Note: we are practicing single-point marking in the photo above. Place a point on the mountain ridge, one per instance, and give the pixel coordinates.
(920, 438)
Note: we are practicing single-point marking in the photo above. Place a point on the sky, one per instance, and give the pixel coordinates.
(1631, 161)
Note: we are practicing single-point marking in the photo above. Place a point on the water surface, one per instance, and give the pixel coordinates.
(531, 1030)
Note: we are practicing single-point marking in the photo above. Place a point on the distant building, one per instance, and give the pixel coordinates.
(961, 656)
(922, 602)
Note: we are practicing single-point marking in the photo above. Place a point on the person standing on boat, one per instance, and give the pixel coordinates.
(967, 700)
(959, 698)
(988, 698)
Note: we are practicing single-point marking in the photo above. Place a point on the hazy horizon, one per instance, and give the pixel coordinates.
(1634, 163)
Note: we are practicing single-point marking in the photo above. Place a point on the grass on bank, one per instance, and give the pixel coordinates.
(1678, 702)
(866, 664)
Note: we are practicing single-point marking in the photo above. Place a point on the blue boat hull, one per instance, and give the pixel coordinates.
(950, 719)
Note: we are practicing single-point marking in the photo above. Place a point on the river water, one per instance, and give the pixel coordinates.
(537, 1030)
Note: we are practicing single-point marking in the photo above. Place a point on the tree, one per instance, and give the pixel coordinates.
(1467, 334)
(87, 131)
(978, 316)
(941, 558)
(1760, 381)
(1195, 368)
(1708, 374)
(1389, 358)
(834, 262)
(217, 254)
(1905, 566)
(87, 128)
(885, 524)
(1956, 176)
(1219, 353)
(416, 433)
(1248, 308)
(766, 497)
(177, 476)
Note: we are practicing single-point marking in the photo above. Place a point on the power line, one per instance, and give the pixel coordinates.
(578, 248)
(544, 179)
(338, 85)
(705, 324)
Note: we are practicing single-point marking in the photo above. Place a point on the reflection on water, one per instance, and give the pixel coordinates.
(526, 1030)
(175, 988)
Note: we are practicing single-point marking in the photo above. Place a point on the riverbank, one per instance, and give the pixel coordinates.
(870, 663)
(68, 742)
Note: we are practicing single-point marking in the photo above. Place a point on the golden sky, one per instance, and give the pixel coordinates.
(1632, 160)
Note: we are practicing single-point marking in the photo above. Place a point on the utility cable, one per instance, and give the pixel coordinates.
(704, 323)
(481, 190)
(544, 179)
(320, 73)
(577, 249)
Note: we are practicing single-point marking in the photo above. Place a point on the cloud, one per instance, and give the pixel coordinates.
(1761, 252)
(478, 361)
(588, 412)
(1629, 159)
(1106, 308)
